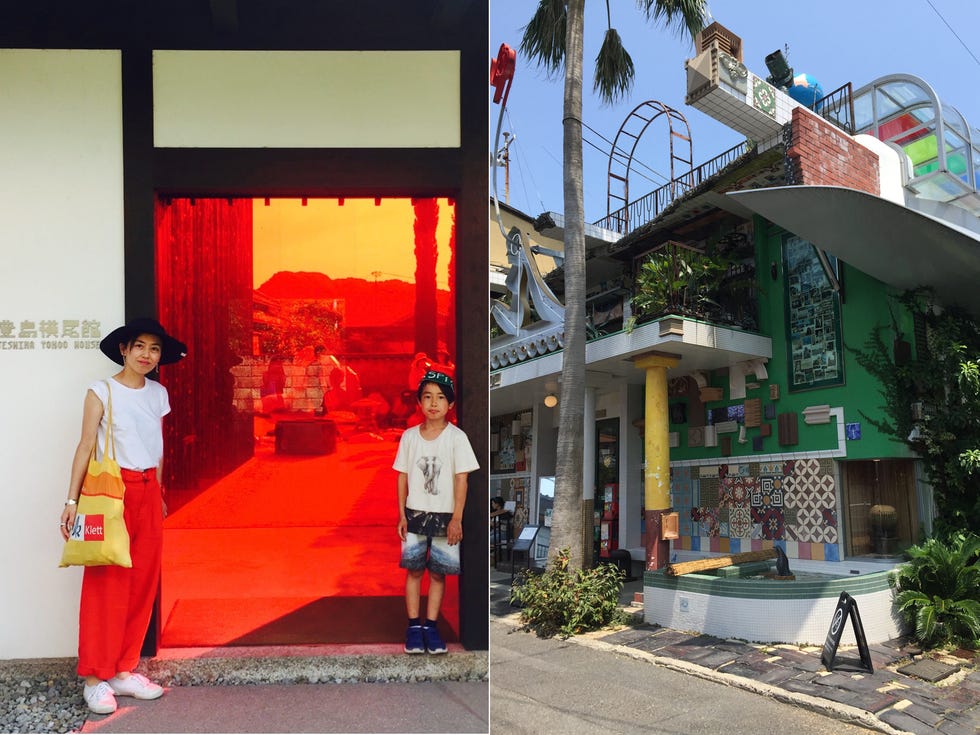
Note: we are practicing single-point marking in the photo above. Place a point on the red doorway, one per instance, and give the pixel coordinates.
(303, 319)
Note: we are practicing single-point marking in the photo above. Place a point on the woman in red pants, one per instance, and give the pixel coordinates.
(116, 602)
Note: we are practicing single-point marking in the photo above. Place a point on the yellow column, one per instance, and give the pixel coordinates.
(656, 442)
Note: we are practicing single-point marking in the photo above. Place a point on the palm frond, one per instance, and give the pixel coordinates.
(614, 70)
(544, 36)
(677, 15)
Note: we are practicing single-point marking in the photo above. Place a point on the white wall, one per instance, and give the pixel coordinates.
(306, 99)
(61, 239)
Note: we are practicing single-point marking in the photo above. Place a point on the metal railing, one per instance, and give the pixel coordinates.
(837, 107)
(649, 206)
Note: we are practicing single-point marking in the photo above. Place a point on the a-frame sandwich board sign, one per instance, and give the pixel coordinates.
(846, 607)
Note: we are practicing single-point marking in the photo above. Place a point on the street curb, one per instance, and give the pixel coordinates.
(240, 666)
(238, 670)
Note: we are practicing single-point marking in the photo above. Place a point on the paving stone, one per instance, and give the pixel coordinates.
(740, 668)
(868, 682)
(801, 660)
(901, 721)
(710, 658)
(842, 696)
(971, 681)
(833, 680)
(740, 649)
(949, 727)
(928, 669)
(628, 636)
(923, 714)
(803, 687)
(958, 698)
(778, 676)
(650, 644)
(875, 702)
(669, 637)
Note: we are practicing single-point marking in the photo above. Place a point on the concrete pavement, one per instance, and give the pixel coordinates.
(422, 707)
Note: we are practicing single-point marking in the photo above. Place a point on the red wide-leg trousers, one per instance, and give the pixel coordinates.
(117, 602)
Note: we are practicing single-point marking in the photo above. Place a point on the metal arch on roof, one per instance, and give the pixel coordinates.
(621, 161)
(943, 150)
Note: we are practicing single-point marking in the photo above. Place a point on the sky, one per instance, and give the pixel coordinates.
(835, 41)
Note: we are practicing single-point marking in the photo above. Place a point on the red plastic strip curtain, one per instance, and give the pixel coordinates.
(204, 297)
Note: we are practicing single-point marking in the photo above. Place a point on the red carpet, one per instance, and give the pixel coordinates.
(257, 621)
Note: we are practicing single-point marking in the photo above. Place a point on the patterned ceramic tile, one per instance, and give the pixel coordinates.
(739, 470)
(740, 522)
(708, 471)
(768, 492)
(807, 468)
(772, 524)
(709, 490)
(763, 96)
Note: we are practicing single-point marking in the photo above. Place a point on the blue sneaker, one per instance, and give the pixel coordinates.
(433, 641)
(414, 642)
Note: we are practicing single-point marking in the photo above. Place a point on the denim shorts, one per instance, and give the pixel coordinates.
(429, 552)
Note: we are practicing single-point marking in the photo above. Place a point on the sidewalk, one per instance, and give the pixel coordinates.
(888, 700)
(350, 689)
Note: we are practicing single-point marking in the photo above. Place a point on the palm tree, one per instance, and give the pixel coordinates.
(554, 38)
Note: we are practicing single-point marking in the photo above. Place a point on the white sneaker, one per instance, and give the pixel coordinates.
(99, 698)
(135, 685)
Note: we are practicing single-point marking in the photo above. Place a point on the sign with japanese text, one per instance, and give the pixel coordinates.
(50, 334)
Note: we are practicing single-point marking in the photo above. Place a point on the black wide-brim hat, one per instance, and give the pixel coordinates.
(172, 349)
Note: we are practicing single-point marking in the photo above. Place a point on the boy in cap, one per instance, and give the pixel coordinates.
(433, 461)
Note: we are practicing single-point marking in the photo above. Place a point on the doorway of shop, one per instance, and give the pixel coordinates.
(881, 508)
(307, 321)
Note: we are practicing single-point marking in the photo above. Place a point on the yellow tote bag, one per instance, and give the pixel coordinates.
(99, 536)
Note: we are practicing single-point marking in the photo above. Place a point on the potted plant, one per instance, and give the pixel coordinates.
(677, 279)
(884, 521)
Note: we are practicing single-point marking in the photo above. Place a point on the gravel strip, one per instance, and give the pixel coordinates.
(44, 695)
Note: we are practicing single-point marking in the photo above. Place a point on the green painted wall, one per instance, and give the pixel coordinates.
(865, 305)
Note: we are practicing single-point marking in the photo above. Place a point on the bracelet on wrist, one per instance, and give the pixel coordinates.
(71, 501)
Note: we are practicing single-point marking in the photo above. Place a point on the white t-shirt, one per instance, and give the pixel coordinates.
(137, 427)
(432, 467)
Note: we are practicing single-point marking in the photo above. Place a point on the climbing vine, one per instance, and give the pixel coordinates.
(932, 403)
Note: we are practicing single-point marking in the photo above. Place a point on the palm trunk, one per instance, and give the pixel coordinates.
(567, 522)
(426, 252)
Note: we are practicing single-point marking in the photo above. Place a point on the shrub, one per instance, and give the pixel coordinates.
(939, 591)
(564, 602)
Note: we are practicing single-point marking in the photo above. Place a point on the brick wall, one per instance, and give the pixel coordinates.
(821, 154)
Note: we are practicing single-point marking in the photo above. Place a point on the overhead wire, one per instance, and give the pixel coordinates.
(953, 31)
(585, 139)
(530, 171)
